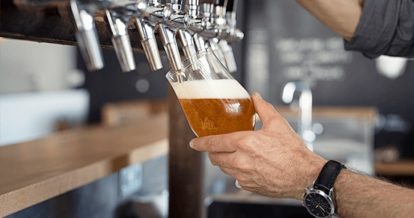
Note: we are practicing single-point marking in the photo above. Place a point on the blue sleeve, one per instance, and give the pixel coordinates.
(386, 27)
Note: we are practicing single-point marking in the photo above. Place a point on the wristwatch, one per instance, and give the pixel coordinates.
(319, 198)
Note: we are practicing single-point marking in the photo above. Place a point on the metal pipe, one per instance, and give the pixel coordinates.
(305, 108)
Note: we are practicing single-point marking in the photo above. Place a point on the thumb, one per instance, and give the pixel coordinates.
(268, 114)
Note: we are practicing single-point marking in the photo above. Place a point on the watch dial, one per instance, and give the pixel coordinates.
(318, 205)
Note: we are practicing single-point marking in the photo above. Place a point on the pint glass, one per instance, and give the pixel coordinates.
(212, 100)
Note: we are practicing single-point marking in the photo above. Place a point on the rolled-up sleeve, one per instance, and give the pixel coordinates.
(386, 27)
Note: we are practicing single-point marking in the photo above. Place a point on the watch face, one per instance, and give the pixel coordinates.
(318, 205)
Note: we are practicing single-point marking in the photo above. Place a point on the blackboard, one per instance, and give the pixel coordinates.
(285, 43)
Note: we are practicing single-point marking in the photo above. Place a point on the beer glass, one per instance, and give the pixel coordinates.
(212, 100)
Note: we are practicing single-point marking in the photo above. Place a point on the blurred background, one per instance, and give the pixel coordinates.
(362, 108)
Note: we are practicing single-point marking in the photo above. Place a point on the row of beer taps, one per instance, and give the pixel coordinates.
(189, 25)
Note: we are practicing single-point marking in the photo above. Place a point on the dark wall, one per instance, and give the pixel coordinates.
(112, 85)
(285, 43)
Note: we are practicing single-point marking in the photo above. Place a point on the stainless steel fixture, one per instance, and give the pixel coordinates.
(118, 23)
(303, 88)
(86, 35)
(180, 24)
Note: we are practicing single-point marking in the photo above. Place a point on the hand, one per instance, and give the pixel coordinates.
(272, 161)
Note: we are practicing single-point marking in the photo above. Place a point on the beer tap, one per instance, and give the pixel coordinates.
(174, 19)
(190, 11)
(170, 46)
(86, 35)
(157, 13)
(199, 43)
(188, 47)
(149, 43)
(181, 24)
(146, 32)
(224, 45)
(118, 23)
(217, 22)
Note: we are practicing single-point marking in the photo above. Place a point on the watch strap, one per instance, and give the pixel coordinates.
(328, 175)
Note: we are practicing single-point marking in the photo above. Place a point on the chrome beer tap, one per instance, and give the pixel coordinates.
(118, 20)
(200, 43)
(171, 48)
(146, 31)
(83, 13)
(190, 11)
(157, 14)
(217, 24)
(231, 28)
(177, 15)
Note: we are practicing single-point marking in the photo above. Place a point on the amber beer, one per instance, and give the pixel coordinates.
(215, 106)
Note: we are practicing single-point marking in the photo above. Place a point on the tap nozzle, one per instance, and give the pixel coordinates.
(228, 56)
(149, 43)
(120, 40)
(86, 36)
(170, 46)
(215, 48)
(199, 43)
(188, 47)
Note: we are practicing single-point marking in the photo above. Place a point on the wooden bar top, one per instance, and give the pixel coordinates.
(39, 170)
(398, 168)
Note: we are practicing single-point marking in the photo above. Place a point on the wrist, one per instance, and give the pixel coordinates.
(311, 170)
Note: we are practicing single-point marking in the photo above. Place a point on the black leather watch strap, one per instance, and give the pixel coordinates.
(328, 175)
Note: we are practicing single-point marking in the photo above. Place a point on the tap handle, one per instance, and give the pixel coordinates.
(231, 5)
(207, 1)
(220, 3)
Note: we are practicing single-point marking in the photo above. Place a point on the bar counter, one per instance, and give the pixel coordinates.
(42, 169)
(38, 170)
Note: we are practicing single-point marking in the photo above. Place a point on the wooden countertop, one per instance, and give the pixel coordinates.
(361, 113)
(39, 170)
(398, 168)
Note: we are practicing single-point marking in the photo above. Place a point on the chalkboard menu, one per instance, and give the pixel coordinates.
(285, 43)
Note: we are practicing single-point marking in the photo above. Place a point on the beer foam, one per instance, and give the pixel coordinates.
(208, 89)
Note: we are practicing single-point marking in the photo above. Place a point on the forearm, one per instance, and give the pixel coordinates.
(362, 196)
(339, 15)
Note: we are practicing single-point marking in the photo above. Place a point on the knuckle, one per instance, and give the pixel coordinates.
(239, 164)
(273, 119)
(248, 141)
(213, 159)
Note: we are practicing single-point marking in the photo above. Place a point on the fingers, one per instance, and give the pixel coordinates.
(229, 171)
(217, 143)
(221, 159)
(267, 113)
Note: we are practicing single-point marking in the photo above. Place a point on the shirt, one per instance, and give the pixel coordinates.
(386, 27)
